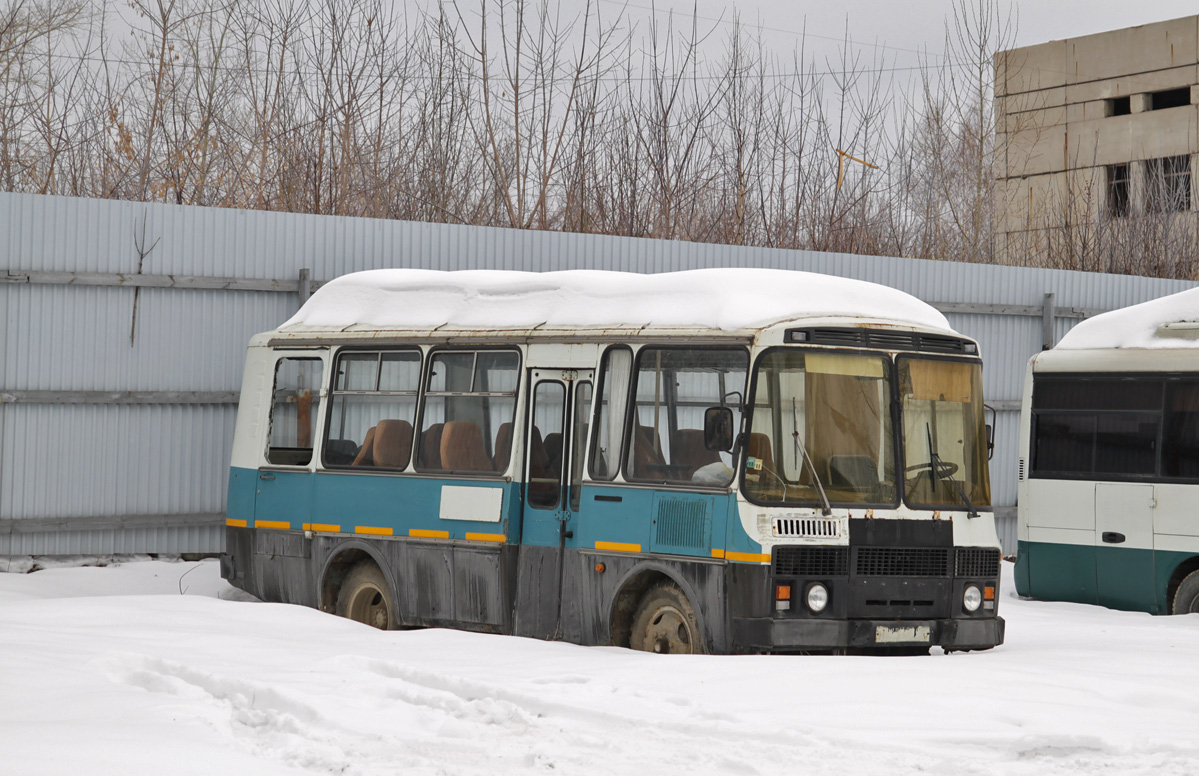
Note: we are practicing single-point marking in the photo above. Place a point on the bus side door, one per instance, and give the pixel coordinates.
(1124, 545)
(556, 433)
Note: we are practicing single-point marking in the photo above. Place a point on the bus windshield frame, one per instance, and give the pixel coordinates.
(821, 430)
(943, 433)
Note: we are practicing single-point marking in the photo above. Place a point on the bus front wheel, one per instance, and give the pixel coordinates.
(365, 597)
(1186, 597)
(665, 622)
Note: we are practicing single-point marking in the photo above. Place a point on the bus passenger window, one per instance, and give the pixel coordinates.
(469, 397)
(610, 413)
(372, 409)
(545, 470)
(674, 388)
(294, 407)
(578, 437)
(1180, 438)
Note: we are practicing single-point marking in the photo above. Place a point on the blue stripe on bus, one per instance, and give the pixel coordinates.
(1117, 577)
(659, 521)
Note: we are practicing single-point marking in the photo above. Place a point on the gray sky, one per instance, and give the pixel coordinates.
(904, 26)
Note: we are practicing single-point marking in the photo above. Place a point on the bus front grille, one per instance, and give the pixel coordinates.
(977, 562)
(902, 562)
(790, 561)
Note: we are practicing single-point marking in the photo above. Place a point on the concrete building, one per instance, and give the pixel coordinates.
(1093, 134)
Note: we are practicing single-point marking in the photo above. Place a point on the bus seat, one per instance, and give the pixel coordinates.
(687, 449)
(553, 452)
(759, 447)
(859, 472)
(503, 447)
(393, 444)
(647, 451)
(429, 456)
(365, 455)
(462, 448)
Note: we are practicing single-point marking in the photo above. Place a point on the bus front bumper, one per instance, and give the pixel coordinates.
(800, 635)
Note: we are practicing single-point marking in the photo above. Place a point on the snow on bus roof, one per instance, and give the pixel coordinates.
(726, 299)
(1169, 322)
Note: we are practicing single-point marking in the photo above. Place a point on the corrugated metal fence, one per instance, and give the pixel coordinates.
(125, 326)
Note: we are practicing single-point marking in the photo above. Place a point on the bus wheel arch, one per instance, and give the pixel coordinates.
(1183, 592)
(360, 566)
(636, 588)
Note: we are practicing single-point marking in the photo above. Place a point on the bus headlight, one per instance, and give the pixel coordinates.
(817, 597)
(972, 598)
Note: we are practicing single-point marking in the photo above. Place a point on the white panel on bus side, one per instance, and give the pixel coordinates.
(482, 504)
(564, 356)
(1174, 523)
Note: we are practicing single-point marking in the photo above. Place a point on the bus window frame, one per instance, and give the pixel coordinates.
(631, 415)
(600, 382)
(989, 507)
(332, 392)
(422, 405)
(893, 421)
(1165, 378)
(278, 356)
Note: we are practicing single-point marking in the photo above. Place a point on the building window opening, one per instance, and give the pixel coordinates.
(1171, 98)
(1119, 106)
(1117, 190)
(1169, 184)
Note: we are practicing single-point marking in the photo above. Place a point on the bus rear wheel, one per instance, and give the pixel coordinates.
(1186, 597)
(366, 598)
(665, 622)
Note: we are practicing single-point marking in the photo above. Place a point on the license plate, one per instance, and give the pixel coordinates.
(890, 634)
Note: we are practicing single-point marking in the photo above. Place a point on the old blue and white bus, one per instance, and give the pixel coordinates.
(1109, 462)
(703, 461)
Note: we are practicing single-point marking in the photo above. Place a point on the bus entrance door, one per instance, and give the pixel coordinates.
(554, 439)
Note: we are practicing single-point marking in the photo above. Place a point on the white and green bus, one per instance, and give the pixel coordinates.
(705, 461)
(1109, 463)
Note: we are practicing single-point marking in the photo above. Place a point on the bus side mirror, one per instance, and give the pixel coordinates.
(718, 429)
(990, 431)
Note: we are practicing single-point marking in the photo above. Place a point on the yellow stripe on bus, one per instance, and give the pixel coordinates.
(322, 527)
(747, 557)
(480, 537)
(229, 521)
(618, 546)
(369, 529)
(421, 533)
(717, 553)
(272, 524)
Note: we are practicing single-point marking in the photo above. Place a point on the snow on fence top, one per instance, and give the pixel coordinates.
(726, 299)
(1169, 322)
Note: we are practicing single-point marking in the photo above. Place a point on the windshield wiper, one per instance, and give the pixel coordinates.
(825, 509)
(941, 469)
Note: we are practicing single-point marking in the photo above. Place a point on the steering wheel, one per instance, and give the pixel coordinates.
(942, 469)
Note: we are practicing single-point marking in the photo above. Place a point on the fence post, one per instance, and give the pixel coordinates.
(1048, 312)
(305, 289)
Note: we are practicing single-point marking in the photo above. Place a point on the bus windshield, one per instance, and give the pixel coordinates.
(944, 433)
(820, 432)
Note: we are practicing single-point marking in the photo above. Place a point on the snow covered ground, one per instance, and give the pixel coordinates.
(113, 670)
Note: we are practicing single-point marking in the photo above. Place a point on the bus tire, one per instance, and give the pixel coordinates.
(1186, 597)
(665, 622)
(365, 597)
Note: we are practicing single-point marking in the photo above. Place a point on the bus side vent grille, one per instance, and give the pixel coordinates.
(807, 527)
(1021, 473)
(902, 562)
(893, 340)
(811, 561)
(941, 344)
(838, 336)
(977, 562)
(681, 523)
